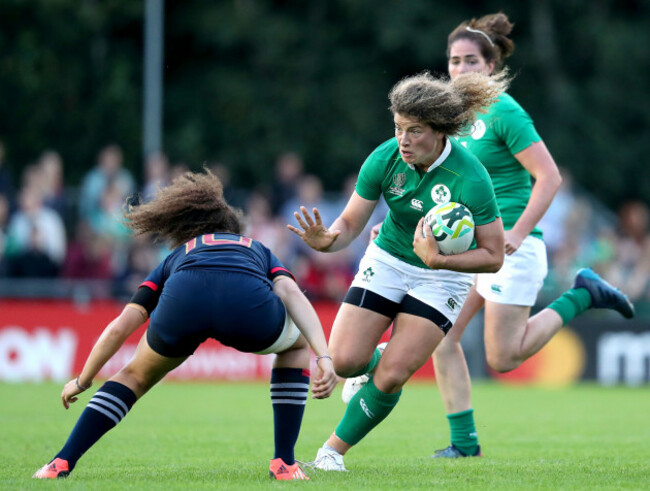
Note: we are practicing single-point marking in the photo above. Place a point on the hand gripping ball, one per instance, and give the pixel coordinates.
(452, 225)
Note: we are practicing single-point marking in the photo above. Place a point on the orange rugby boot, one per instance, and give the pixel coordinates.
(283, 472)
(56, 469)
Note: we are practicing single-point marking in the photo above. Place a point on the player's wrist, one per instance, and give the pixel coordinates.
(82, 385)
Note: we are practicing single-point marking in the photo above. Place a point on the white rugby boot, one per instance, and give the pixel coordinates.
(328, 459)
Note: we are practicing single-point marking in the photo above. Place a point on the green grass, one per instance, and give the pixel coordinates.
(188, 435)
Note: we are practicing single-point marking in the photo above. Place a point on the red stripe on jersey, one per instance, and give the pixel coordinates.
(275, 270)
(150, 284)
(306, 372)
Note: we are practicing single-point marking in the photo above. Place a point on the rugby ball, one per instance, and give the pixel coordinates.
(452, 225)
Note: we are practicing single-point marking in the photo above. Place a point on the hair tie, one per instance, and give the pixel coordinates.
(478, 31)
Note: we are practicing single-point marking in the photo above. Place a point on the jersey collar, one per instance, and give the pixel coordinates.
(445, 153)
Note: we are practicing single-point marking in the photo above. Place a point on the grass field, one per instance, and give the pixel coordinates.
(193, 435)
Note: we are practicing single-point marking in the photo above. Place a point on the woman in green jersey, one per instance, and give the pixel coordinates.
(419, 168)
(506, 142)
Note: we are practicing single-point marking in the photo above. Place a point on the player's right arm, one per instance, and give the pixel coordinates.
(303, 314)
(347, 226)
(106, 346)
(134, 314)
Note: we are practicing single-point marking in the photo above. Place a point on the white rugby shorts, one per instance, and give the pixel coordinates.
(393, 279)
(287, 338)
(520, 278)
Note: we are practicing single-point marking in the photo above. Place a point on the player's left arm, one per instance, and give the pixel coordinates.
(486, 258)
(304, 315)
(537, 160)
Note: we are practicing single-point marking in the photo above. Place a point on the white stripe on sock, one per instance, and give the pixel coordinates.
(290, 386)
(290, 401)
(280, 393)
(104, 412)
(113, 398)
(109, 405)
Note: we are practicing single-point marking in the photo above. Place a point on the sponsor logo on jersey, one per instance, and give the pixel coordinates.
(416, 204)
(440, 194)
(496, 288)
(398, 181)
(365, 409)
(478, 130)
(367, 274)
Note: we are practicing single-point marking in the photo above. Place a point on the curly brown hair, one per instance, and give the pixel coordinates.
(192, 205)
(490, 33)
(448, 106)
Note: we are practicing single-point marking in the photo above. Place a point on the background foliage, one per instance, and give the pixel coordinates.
(248, 79)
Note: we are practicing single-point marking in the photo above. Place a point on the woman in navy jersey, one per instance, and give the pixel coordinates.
(215, 284)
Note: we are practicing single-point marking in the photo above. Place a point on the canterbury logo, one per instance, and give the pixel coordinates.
(365, 409)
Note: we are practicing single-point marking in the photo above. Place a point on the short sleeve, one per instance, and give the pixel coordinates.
(481, 199)
(516, 129)
(276, 268)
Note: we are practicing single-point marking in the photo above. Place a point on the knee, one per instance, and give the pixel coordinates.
(347, 363)
(447, 348)
(502, 361)
(391, 382)
(390, 378)
(134, 379)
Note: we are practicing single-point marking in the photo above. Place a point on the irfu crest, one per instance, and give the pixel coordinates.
(399, 179)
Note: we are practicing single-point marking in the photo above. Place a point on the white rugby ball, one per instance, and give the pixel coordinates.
(452, 225)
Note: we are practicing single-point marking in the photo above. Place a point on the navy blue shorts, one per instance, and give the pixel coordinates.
(234, 308)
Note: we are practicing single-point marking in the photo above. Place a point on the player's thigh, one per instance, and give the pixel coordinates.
(355, 334)
(146, 368)
(413, 341)
(505, 326)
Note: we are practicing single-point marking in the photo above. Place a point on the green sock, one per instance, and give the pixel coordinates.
(371, 364)
(571, 304)
(365, 410)
(463, 431)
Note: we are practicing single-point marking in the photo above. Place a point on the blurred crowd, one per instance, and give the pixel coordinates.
(49, 229)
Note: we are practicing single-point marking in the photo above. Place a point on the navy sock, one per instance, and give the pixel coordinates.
(106, 408)
(289, 389)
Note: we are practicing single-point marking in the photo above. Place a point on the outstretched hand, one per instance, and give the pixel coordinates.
(312, 231)
(425, 246)
(70, 390)
(325, 379)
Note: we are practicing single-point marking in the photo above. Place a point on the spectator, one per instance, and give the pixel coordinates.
(631, 266)
(235, 196)
(156, 175)
(88, 256)
(288, 172)
(262, 226)
(106, 221)
(108, 171)
(50, 166)
(36, 240)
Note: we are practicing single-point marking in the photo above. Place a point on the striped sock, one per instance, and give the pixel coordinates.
(289, 389)
(105, 410)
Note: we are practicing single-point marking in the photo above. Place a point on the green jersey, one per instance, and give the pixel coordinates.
(496, 137)
(457, 176)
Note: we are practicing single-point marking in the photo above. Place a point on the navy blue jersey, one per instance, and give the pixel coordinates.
(215, 286)
(219, 252)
